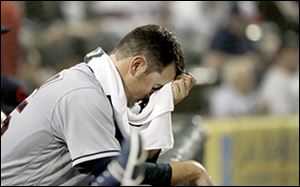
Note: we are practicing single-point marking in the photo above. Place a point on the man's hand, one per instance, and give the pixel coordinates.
(181, 86)
(190, 172)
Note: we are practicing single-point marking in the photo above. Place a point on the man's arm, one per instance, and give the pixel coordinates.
(187, 172)
(190, 172)
(174, 173)
(177, 173)
(181, 172)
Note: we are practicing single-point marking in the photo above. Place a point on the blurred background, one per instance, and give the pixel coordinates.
(241, 120)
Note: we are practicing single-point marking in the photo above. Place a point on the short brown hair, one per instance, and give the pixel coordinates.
(156, 43)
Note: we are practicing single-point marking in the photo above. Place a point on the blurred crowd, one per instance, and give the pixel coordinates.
(244, 54)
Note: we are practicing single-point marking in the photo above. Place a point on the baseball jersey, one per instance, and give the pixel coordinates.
(67, 121)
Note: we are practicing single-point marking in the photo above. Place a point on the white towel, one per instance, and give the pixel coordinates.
(159, 102)
(154, 122)
(155, 118)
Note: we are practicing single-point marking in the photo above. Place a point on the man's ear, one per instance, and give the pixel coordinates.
(138, 66)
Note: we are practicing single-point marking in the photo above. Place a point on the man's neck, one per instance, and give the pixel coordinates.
(121, 68)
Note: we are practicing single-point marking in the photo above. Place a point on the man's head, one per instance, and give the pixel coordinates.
(148, 57)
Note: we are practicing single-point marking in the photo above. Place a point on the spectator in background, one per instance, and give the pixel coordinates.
(11, 17)
(237, 95)
(284, 13)
(196, 21)
(280, 86)
(13, 92)
(268, 47)
(229, 40)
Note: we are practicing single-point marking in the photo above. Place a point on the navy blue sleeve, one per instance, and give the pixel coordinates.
(157, 174)
(95, 167)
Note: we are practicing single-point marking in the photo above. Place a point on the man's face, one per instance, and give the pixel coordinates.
(142, 85)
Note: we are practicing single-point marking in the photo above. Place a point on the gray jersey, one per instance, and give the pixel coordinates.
(67, 121)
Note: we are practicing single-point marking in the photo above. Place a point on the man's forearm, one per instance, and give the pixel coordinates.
(190, 172)
(177, 173)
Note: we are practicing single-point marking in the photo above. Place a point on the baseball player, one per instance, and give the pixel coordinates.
(72, 124)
